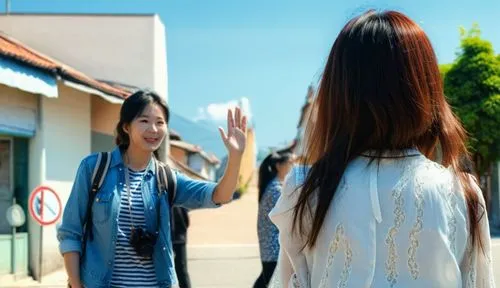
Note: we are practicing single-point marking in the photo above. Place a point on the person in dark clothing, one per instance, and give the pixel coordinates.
(180, 225)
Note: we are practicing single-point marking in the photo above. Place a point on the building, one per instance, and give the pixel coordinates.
(305, 112)
(123, 48)
(194, 157)
(128, 48)
(49, 114)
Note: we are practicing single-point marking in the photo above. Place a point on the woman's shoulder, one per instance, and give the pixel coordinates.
(90, 160)
(289, 195)
(274, 185)
(430, 174)
(296, 177)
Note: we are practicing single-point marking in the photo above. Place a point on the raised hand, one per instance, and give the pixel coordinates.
(236, 138)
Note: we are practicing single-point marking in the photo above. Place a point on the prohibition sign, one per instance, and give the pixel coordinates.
(45, 205)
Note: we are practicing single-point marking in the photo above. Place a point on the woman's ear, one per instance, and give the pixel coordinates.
(126, 128)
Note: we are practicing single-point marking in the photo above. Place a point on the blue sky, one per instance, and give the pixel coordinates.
(268, 51)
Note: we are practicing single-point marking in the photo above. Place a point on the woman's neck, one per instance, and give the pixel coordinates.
(281, 177)
(136, 159)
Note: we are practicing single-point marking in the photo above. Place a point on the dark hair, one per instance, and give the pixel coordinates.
(381, 75)
(268, 171)
(131, 108)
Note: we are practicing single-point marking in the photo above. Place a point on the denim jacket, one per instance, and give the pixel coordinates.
(97, 265)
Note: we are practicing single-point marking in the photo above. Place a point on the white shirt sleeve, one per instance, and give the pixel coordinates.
(476, 266)
(282, 215)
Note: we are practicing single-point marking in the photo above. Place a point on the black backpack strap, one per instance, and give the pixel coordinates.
(166, 181)
(100, 170)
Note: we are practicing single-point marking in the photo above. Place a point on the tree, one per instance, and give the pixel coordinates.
(444, 68)
(472, 85)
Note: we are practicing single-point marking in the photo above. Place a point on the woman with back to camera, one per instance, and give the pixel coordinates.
(370, 207)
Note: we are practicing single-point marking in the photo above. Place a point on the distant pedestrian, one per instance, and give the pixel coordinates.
(272, 173)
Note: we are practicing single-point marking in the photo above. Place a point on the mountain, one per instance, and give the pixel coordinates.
(202, 133)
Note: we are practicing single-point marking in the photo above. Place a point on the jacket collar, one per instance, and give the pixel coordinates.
(117, 160)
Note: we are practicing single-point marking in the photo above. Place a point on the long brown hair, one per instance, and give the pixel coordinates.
(381, 90)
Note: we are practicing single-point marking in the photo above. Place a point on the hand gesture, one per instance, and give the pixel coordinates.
(236, 137)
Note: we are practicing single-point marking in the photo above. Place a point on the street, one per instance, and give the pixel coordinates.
(222, 249)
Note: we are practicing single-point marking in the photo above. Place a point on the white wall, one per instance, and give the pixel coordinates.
(201, 165)
(160, 56)
(124, 48)
(61, 141)
(195, 162)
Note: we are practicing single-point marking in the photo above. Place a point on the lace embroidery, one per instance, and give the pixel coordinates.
(452, 220)
(346, 272)
(471, 279)
(417, 227)
(339, 239)
(399, 218)
(296, 281)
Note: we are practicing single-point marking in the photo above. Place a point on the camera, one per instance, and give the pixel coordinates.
(143, 242)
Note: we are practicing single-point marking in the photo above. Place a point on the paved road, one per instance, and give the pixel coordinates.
(223, 249)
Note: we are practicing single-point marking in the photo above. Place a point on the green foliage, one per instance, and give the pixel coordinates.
(472, 84)
(444, 68)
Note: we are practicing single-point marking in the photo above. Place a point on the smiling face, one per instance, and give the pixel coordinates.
(147, 131)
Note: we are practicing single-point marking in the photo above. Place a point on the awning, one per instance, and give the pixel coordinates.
(110, 98)
(27, 78)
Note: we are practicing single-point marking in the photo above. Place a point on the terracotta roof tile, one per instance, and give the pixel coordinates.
(14, 49)
(212, 159)
(11, 48)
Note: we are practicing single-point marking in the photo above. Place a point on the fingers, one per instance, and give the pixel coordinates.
(238, 121)
(244, 124)
(237, 112)
(230, 121)
(223, 135)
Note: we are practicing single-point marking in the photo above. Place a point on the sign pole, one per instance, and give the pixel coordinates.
(40, 248)
(40, 255)
(40, 197)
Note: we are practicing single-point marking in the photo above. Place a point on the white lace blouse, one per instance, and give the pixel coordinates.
(402, 223)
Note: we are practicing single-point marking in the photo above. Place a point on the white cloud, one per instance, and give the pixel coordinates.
(218, 111)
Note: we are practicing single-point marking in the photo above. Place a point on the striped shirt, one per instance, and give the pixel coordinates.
(130, 269)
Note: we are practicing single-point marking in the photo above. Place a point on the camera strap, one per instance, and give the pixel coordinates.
(166, 182)
(129, 195)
